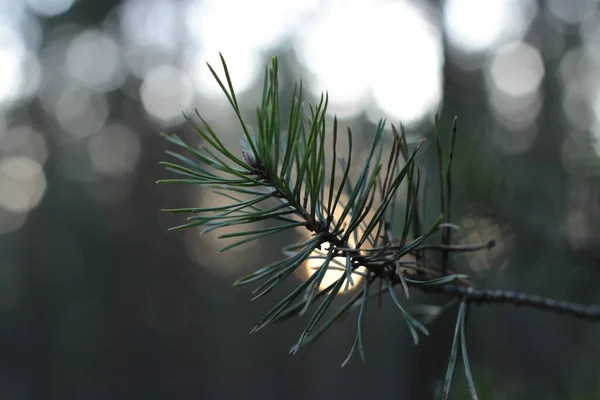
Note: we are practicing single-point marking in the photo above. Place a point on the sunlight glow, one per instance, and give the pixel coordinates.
(408, 84)
(394, 58)
(252, 27)
(336, 268)
(334, 272)
(12, 52)
(243, 67)
(476, 26)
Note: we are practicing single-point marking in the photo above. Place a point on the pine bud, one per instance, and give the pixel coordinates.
(251, 159)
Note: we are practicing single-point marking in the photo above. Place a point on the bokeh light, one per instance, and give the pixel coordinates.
(203, 247)
(480, 230)
(357, 65)
(12, 52)
(514, 74)
(572, 12)
(93, 58)
(151, 23)
(253, 28)
(49, 8)
(115, 150)
(577, 79)
(517, 69)
(80, 111)
(590, 34)
(22, 184)
(476, 26)
(165, 92)
(23, 140)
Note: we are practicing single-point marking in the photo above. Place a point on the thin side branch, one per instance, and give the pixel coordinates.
(459, 247)
(498, 296)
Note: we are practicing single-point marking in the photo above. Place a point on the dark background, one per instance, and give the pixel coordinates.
(98, 301)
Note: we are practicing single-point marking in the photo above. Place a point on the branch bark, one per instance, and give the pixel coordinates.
(491, 296)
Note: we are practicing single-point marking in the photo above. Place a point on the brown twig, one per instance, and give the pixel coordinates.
(496, 296)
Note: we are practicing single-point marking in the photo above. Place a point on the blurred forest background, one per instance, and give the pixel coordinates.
(98, 301)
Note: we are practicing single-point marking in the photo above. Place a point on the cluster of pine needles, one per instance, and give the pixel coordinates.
(282, 176)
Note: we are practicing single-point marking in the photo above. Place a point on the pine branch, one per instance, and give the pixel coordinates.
(291, 170)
